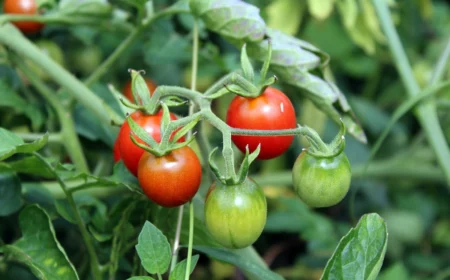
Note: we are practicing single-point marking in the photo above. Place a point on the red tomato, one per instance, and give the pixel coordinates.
(272, 110)
(116, 150)
(24, 7)
(170, 180)
(128, 93)
(131, 153)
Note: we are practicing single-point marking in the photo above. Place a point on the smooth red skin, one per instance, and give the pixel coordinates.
(116, 151)
(130, 152)
(170, 180)
(272, 110)
(24, 7)
(128, 93)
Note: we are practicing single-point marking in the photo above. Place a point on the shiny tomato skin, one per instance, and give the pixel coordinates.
(116, 151)
(128, 93)
(235, 215)
(24, 7)
(170, 180)
(321, 182)
(131, 153)
(272, 110)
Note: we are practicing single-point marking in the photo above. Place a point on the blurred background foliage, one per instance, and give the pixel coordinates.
(403, 183)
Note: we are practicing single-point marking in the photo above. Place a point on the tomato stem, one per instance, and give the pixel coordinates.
(191, 240)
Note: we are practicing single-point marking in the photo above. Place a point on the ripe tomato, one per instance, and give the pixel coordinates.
(235, 215)
(116, 150)
(131, 153)
(272, 110)
(170, 180)
(321, 182)
(25, 7)
(128, 93)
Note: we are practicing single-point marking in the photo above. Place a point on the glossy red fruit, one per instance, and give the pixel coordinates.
(130, 153)
(128, 93)
(170, 180)
(23, 7)
(272, 110)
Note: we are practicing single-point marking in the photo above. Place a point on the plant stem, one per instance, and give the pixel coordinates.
(52, 137)
(176, 242)
(95, 265)
(191, 240)
(441, 65)
(426, 112)
(68, 134)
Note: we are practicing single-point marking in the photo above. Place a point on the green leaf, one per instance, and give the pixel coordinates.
(10, 192)
(153, 249)
(285, 15)
(38, 248)
(320, 9)
(234, 19)
(179, 272)
(397, 271)
(141, 278)
(360, 253)
(12, 144)
(241, 258)
(84, 202)
(30, 165)
(10, 98)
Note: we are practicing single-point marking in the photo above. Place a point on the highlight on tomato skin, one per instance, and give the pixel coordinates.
(272, 110)
(131, 153)
(170, 180)
(128, 93)
(23, 7)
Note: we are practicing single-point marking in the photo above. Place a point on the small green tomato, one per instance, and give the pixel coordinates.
(321, 181)
(235, 215)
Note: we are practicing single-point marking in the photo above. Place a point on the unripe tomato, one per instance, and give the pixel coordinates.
(23, 7)
(170, 180)
(128, 93)
(116, 150)
(86, 59)
(235, 215)
(319, 181)
(272, 110)
(130, 153)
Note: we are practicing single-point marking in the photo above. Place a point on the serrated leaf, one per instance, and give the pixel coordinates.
(242, 259)
(179, 271)
(233, 19)
(153, 249)
(12, 144)
(10, 192)
(320, 9)
(39, 249)
(9, 98)
(360, 253)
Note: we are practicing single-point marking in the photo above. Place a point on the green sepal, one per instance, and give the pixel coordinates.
(141, 93)
(174, 101)
(214, 167)
(265, 67)
(165, 120)
(247, 67)
(248, 159)
(123, 103)
(140, 133)
(185, 129)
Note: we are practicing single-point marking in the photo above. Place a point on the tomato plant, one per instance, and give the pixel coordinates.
(271, 110)
(129, 152)
(116, 151)
(170, 180)
(321, 182)
(25, 7)
(52, 50)
(235, 215)
(85, 59)
(128, 93)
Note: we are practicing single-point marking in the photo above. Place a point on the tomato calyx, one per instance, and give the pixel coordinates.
(319, 149)
(171, 131)
(230, 178)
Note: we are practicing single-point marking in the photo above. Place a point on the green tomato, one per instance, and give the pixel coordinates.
(235, 215)
(86, 59)
(321, 182)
